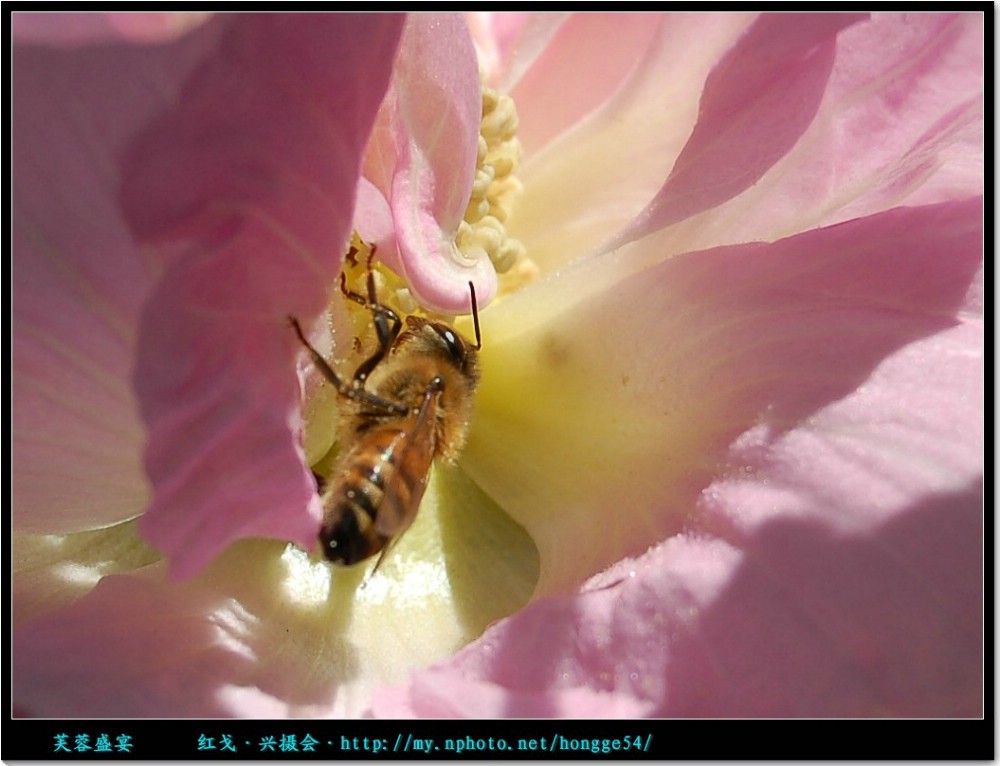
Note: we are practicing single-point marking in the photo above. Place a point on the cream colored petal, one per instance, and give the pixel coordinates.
(611, 393)
(51, 571)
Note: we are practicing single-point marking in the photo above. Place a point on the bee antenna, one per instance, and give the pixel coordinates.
(475, 315)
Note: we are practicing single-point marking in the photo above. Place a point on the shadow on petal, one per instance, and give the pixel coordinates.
(803, 621)
(814, 623)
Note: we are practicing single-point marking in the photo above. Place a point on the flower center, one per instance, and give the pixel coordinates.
(483, 232)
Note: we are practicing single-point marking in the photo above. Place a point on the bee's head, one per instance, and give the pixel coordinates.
(444, 342)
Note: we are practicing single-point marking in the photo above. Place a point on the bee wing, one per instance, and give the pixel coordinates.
(415, 454)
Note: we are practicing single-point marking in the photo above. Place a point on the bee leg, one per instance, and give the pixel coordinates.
(381, 558)
(387, 322)
(351, 392)
(352, 255)
(320, 481)
(387, 327)
(317, 357)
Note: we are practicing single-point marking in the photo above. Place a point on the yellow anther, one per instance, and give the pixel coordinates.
(490, 98)
(484, 177)
(476, 209)
(483, 232)
(507, 254)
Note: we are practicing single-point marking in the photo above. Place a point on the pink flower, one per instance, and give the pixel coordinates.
(727, 455)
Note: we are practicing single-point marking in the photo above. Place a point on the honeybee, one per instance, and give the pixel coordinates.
(408, 403)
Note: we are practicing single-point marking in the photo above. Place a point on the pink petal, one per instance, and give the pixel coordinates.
(79, 283)
(565, 80)
(857, 532)
(136, 648)
(756, 104)
(601, 653)
(80, 28)
(499, 37)
(797, 620)
(924, 129)
(373, 221)
(438, 108)
(592, 179)
(900, 120)
(440, 695)
(248, 188)
(692, 352)
(830, 564)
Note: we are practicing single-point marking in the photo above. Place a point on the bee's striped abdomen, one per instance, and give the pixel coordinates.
(376, 493)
